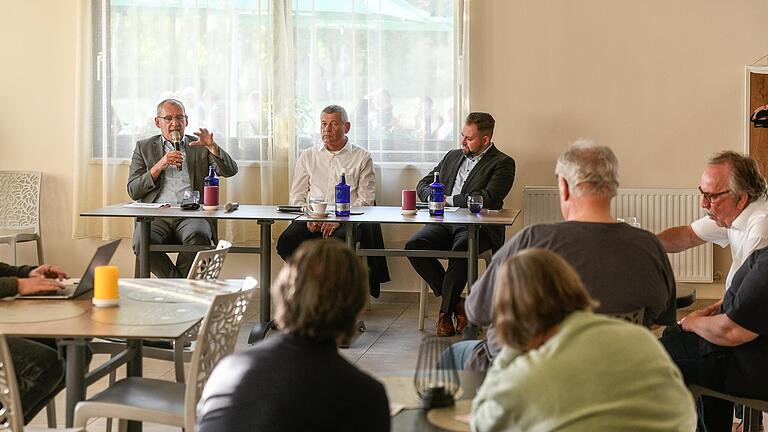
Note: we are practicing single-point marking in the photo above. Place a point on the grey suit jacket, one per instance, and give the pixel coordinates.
(491, 178)
(142, 188)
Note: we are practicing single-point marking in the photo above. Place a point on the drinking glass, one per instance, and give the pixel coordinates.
(475, 203)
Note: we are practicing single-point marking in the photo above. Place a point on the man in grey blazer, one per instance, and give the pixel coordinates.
(477, 168)
(161, 172)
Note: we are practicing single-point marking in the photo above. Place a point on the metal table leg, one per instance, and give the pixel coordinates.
(75, 376)
(259, 331)
(470, 332)
(134, 368)
(145, 225)
(350, 237)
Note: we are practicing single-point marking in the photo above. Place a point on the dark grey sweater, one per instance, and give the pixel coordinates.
(9, 276)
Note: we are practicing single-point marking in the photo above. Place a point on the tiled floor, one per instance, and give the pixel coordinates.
(390, 344)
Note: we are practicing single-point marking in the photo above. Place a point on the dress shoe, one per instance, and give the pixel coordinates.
(445, 325)
(461, 316)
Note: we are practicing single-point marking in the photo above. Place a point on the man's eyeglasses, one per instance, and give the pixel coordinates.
(709, 197)
(178, 118)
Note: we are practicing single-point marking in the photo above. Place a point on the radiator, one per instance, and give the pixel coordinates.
(655, 210)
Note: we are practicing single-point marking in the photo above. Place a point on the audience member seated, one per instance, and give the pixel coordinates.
(318, 170)
(162, 173)
(477, 168)
(39, 371)
(734, 196)
(723, 347)
(623, 267)
(564, 368)
(297, 380)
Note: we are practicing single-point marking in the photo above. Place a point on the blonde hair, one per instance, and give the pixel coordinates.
(536, 290)
(320, 291)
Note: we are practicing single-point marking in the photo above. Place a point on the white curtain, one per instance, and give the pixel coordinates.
(218, 59)
(258, 73)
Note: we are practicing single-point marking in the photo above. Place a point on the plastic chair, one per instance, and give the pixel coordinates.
(20, 210)
(485, 256)
(12, 414)
(207, 266)
(171, 403)
(753, 408)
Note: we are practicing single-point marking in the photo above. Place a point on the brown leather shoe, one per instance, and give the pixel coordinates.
(461, 316)
(445, 325)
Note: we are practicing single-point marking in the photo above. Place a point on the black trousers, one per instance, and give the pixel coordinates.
(702, 365)
(446, 282)
(297, 233)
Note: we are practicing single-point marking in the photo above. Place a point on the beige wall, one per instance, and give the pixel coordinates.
(660, 81)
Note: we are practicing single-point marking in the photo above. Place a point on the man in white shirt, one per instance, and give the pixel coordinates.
(319, 169)
(734, 196)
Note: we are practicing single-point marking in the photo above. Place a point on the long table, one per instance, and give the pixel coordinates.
(73, 322)
(264, 215)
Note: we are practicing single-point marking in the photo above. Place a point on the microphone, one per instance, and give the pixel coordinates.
(176, 139)
(231, 206)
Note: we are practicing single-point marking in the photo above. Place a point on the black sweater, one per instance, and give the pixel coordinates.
(9, 276)
(289, 383)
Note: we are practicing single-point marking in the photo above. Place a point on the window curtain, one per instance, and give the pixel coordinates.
(225, 60)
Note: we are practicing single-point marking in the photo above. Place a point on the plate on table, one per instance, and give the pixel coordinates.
(318, 215)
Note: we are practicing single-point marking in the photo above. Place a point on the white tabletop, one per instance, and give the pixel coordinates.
(386, 214)
(244, 212)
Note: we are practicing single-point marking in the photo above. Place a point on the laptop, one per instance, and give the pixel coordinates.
(73, 287)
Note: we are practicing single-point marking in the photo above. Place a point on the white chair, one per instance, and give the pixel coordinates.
(20, 210)
(167, 402)
(11, 412)
(485, 256)
(207, 264)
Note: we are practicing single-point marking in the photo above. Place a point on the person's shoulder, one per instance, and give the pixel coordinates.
(147, 141)
(364, 152)
(497, 153)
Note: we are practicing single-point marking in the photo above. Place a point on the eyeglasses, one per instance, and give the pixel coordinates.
(178, 118)
(710, 197)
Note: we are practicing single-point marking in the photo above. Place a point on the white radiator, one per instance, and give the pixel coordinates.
(655, 210)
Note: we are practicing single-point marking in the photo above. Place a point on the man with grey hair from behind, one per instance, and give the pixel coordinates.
(733, 193)
(625, 268)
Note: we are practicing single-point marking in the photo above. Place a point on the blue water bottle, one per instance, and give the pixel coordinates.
(436, 197)
(342, 196)
(211, 190)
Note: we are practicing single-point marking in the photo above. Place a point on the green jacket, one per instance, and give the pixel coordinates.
(9, 276)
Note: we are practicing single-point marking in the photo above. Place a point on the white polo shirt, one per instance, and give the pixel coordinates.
(748, 232)
(318, 171)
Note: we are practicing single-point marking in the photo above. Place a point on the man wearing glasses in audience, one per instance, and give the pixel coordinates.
(163, 168)
(734, 196)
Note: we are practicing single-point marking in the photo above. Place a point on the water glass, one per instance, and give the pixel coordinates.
(475, 203)
(629, 220)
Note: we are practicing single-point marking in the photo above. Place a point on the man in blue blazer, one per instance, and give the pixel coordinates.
(161, 172)
(477, 168)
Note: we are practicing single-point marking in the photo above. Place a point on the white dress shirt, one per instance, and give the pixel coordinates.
(748, 232)
(319, 170)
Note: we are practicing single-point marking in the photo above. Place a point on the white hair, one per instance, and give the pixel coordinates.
(589, 169)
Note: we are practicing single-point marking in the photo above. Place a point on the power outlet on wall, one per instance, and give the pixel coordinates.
(718, 276)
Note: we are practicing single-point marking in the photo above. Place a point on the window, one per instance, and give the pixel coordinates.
(390, 63)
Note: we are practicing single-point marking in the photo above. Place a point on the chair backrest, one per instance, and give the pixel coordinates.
(635, 317)
(208, 264)
(20, 200)
(11, 414)
(217, 338)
